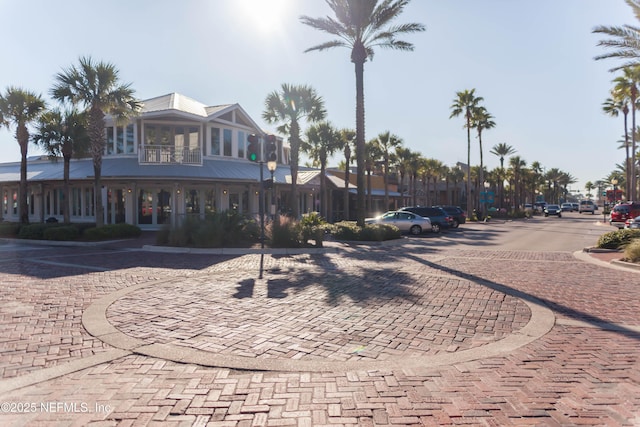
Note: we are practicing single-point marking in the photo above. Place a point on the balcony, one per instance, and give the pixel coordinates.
(165, 154)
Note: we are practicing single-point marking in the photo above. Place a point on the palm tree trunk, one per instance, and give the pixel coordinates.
(468, 161)
(627, 163)
(360, 139)
(347, 157)
(386, 182)
(96, 135)
(634, 96)
(295, 154)
(65, 190)
(22, 135)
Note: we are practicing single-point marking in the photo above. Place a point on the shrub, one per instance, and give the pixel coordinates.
(284, 232)
(379, 232)
(347, 230)
(9, 229)
(617, 239)
(35, 231)
(313, 227)
(112, 231)
(65, 232)
(632, 251)
(215, 230)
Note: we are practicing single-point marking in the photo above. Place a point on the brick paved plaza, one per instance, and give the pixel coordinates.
(400, 334)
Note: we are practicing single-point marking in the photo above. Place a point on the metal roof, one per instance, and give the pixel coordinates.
(224, 169)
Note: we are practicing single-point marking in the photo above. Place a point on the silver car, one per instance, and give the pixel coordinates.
(405, 221)
(632, 223)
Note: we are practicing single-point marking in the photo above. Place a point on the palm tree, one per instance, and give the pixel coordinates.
(625, 41)
(322, 140)
(616, 104)
(516, 167)
(289, 107)
(501, 150)
(360, 26)
(387, 142)
(65, 134)
(19, 108)
(465, 102)
(589, 186)
(481, 120)
(347, 139)
(96, 87)
(402, 160)
(373, 156)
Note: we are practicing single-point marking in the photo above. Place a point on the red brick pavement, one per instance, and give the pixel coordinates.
(585, 371)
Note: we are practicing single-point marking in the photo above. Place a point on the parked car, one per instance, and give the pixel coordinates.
(553, 210)
(632, 223)
(539, 206)
(566, 207)
(575, 206)
(587, 206)
(405, 221)
(457, 214)
(623, 212)
(439, 218)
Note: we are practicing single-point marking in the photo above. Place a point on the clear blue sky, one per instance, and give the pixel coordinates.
(532, 61)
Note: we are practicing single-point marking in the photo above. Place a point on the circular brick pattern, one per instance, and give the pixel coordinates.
(319, 315)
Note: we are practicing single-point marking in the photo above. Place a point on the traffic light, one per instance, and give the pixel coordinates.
(253, 149)
(272, 148)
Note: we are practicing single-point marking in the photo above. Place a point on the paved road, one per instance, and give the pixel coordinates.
(466, 328)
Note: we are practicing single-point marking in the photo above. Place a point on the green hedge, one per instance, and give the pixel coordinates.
(618, 239)
(65, 232)
(347, 230)
(9, 229)
(112, 231)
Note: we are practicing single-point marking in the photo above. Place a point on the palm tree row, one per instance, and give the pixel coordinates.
(625, 44)
(92, 85)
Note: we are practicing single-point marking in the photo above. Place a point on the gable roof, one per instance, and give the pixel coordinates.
(182, 106)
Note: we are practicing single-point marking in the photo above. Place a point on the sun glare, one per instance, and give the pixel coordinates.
(264, 15)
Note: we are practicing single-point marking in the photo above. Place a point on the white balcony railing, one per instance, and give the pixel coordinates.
(163, 154)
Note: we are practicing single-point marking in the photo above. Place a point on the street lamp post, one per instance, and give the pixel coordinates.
(271, 166)
(614, 182)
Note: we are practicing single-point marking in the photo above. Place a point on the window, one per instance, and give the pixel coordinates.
(209, 201)
(110, 140)
(130, 141)
(88, 202)
(215, 141)
(242, 142)
(192, 201)
(5, 202)
(120, 140)
(76, 204)
(228, 142)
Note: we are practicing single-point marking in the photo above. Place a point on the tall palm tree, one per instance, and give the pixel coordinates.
(626, 88)
(290, 106)
(616, 104)
(96, 87)
(464, 103)
(481, 120)
(347, 139)
(20, 108)
(625, 40)
(322, 140)
(387, 142)
(63, 134)
(501, 150)
(360, 26)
